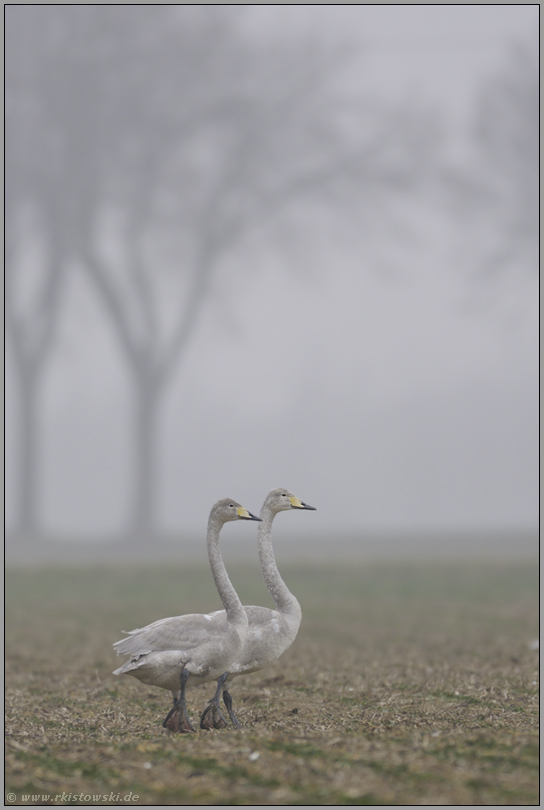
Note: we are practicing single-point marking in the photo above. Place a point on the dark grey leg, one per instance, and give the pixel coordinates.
(228, 703)
(212, 717)
(177, 718)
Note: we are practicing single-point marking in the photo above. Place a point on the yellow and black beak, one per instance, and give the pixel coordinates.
(243, 514)
(296, 504)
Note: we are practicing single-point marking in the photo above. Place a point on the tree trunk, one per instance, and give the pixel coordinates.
(143, 516)
(27, 521)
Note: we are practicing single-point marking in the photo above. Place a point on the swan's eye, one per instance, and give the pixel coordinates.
(231, 505)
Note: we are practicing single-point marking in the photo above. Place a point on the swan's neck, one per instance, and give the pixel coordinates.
(285, 601)
(231, 602)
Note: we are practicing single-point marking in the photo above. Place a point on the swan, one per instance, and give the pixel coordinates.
(270, 632)
(196, 647)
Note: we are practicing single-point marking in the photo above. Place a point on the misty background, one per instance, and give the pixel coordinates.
(262, 246)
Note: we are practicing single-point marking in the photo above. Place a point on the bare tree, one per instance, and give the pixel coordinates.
(500, 189)
(31, 320)
(36, 247)
(176, 131)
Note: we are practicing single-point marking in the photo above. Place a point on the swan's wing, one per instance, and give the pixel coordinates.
(259, 616)
(263, 623)
(261, 620)
(175, 633)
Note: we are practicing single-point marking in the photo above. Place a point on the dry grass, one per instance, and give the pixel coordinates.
(407, 684)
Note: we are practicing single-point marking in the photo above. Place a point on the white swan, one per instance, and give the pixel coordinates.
(196, 647)
(270, 632)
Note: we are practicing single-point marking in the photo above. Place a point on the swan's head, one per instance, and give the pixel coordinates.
(280, 500)
(226, 509)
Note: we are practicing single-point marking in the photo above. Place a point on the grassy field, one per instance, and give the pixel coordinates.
(408, 684)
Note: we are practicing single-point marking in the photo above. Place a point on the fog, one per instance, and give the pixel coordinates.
(275, 246)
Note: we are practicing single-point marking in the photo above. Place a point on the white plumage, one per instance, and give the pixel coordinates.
(185, 650)
(270, 632)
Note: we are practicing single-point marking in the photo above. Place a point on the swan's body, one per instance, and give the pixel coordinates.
(201, 643)
(270, 632)
(187, 650)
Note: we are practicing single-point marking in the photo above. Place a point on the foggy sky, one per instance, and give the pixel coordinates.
(375, 378)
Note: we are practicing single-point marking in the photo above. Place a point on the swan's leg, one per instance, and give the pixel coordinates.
(211, 717)
(177, 718)
(228, 703)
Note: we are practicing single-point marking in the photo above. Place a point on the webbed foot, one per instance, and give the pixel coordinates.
(177, 720)
(211, 717)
